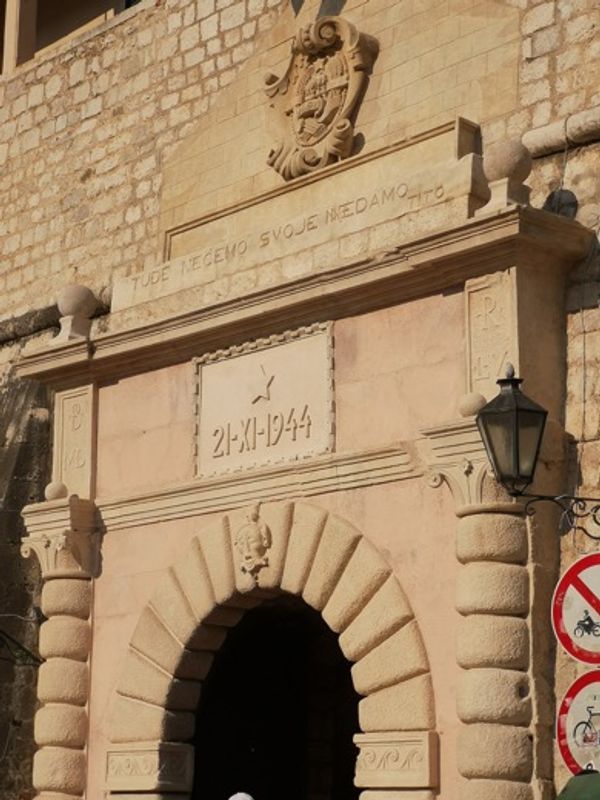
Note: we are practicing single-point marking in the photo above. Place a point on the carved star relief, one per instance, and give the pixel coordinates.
(263, 386)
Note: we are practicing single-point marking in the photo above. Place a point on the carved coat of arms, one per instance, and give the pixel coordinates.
(317, 98)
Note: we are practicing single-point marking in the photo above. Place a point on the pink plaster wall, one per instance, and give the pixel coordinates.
(145, 427)
(396, 370)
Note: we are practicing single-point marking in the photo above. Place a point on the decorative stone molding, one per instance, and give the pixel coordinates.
(457, 456)
(422, 265)
(63, 535)
(316, 100)
(397, 760)
(161, 766)
(317, 556)
(320, 475)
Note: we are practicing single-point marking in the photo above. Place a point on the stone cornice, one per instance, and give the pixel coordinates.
(63, 535)
(432, 263)
(333, 472)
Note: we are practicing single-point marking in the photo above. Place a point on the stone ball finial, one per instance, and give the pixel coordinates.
(470, 404)
(76, 300)
(507, 159)
(55, 491)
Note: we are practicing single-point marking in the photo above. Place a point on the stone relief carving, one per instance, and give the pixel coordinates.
(317, 98)
(252, 541)
(397, 760)
(164, 766)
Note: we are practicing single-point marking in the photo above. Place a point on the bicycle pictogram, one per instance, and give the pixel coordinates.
(585, 733)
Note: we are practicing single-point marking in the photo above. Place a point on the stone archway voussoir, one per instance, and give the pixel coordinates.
(307, 528)
(142, 679)
(192, 574)
(154, 640)
(337, 544)
(215, 543)
(386, 612)
(400, 657)
(364, 574)
(407, 706)
(136, 721)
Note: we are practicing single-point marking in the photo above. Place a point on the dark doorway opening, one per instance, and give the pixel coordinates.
(278, 711)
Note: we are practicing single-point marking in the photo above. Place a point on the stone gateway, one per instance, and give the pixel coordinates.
(264, 263)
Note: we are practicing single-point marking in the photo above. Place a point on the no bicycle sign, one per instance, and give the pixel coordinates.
(576, 610)
(578, 723)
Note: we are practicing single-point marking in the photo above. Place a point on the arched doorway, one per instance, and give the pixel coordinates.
(278, 710)
(239, 563)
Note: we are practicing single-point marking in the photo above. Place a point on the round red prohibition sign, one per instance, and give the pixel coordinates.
(576, 610)
(578, 723)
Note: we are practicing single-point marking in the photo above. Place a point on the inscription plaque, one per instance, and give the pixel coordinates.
(264, 402)
(343, 200)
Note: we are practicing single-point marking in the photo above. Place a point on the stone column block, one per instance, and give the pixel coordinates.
(489, 588)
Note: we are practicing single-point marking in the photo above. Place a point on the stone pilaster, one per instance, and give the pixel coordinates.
(495, 750)
(62, 534)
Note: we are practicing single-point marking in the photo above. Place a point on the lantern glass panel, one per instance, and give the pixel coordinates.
(531, 428)
(499, 437)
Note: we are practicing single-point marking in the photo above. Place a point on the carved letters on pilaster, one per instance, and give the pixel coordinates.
(74, 435)
(489, 312)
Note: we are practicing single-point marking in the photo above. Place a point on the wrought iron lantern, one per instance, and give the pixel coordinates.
(511, 427)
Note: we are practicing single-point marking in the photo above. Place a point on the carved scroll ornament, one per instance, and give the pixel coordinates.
(317, 98)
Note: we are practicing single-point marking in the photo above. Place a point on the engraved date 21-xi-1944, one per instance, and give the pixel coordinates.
(258, 431)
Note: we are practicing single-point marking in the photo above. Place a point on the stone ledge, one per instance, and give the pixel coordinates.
(328, 473)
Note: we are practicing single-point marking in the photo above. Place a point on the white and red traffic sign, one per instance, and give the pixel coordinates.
(576, 610)
(578, 723)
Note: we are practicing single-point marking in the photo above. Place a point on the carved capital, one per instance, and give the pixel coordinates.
(316, 100)
(397, 760)
(64, 536)
(150, 766)
(456, 456)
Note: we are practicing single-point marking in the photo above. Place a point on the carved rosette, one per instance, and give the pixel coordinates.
(316, 100)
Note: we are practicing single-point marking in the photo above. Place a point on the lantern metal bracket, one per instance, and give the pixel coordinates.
(576, 512)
